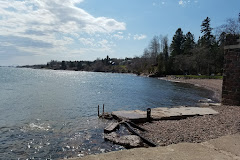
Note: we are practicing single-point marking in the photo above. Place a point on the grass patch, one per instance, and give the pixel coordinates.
(123, 67)
(198, 77)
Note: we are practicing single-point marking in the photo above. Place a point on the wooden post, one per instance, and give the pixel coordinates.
(98, 111)
(149, 114)
(103, 109)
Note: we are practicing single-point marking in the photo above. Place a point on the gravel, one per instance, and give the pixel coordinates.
(199, 128)
(195, 129)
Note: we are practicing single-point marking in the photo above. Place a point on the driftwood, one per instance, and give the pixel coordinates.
(136, 126)
(129, 141)
(134, 132)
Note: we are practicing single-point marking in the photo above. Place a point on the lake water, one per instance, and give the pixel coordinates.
(50, 114)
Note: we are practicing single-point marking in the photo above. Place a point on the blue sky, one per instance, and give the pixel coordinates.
(37, 31)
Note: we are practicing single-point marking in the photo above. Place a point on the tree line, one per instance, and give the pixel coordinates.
(184, 55)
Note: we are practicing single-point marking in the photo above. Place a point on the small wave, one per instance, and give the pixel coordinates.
(35, 126)
(39, 126)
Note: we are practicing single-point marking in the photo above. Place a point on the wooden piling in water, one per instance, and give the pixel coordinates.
(149, 114)
(103, 110)
(98, 111)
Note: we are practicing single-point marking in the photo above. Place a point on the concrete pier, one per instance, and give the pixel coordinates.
(163, 113)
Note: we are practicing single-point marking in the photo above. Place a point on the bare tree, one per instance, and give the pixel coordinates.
(154, 48)
(232, 26)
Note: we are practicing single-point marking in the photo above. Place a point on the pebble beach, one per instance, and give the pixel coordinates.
(199, 128)
(199, 137)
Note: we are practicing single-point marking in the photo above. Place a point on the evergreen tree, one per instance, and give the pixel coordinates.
(188, 44)
(166, 54)
(177, 43)
(207, 37)
(165, 48)
(161, 65)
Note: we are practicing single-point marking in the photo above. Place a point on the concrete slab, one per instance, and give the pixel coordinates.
(182, 151)
(136, 114)
(164, 113)
(185, 111)
(227, 144)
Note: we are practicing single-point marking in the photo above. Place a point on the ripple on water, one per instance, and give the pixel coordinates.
(53, 114)
(41, 126)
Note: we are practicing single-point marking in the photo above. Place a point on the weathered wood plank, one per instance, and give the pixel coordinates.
(136, 126)
(139, 135)
(111, 127)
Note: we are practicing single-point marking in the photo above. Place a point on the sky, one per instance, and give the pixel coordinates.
(38, 31)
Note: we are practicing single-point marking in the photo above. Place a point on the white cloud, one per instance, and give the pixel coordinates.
(118, 36)
(106, 45)
(185, 2)
(57, 15)
(159, 3)
(97, 44)
(139, 37)
(51, 23)
(87, 41)
(181, 2)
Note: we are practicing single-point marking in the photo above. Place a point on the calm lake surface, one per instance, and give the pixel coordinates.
(46, 114)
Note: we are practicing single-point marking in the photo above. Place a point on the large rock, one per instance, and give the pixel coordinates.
(128, 141)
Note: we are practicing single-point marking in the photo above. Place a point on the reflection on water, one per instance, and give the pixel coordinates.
(53, 114)
(40, 140)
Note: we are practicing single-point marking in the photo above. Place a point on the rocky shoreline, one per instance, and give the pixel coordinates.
(192, 130)
(195, 129)
(200, 128)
